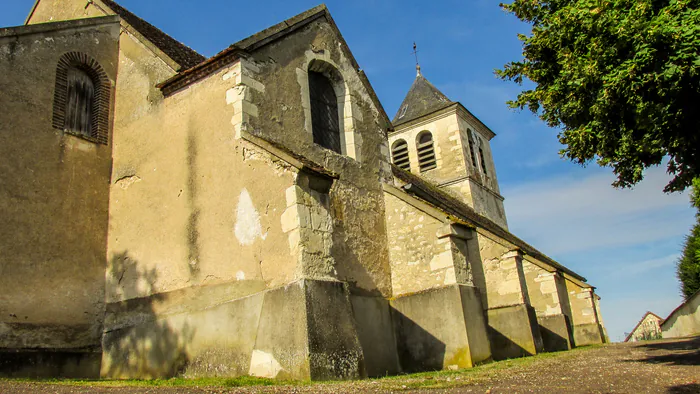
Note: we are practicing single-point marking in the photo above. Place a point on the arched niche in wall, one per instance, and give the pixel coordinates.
(81, 98)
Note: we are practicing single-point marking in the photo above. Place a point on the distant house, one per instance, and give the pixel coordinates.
(647, 328)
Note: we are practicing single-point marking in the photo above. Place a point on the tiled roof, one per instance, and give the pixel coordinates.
(183, 55)
(423, 98)
(437, 197)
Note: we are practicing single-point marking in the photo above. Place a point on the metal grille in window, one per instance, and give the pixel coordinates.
(400, 154)
(324, 112)
(426, 152)
(81, 97)
(483, 162)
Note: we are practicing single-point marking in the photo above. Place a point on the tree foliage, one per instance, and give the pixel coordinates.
(688, 269)
(620, 77)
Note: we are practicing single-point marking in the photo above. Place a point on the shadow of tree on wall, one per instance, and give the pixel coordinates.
(138, 341)
(679, 352)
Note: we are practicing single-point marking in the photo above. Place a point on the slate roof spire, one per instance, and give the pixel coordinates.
(423, 98)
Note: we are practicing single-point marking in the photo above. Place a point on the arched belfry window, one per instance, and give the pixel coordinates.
(483, 162)
(325, 122)
(426, 151)
(81, 97)
(472, 152)
(399, 154)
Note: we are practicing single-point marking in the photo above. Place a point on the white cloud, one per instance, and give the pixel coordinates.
(565, 214)
(634, 268)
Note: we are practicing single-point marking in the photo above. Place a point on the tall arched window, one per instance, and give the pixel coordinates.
(483, 162)
(81, 97)
(426, 151)
(325, 122)
(399, 152)
(472, 152)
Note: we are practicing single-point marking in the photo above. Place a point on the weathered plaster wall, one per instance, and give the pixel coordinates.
(543, 289)
(63, 10)
(585, 317)
(356, 203)
(581, 301)
(684, 321)
(420, 260)
(54, 193)
(501, 276)
(186, 195)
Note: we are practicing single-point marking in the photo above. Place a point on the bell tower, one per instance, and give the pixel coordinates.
(441, 141)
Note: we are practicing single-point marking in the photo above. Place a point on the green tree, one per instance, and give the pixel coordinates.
(688, 269)
(621, 78)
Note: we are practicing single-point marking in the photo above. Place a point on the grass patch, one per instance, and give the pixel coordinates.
(423, 380)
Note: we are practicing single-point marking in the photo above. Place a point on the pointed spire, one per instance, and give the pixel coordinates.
(422, 99)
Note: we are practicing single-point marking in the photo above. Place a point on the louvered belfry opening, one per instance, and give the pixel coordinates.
(80, 102)
(399, 152)
(325, 122)
(483, 162)
(426, 152)
(472, 152)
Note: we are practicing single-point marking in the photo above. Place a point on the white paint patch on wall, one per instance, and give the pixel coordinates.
(264, 365)
(247, 228)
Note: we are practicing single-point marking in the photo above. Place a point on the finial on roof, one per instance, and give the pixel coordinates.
(415, 52)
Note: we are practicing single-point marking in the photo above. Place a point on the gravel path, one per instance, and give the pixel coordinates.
(666, 366)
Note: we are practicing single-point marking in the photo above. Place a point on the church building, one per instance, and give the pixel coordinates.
(252, 213)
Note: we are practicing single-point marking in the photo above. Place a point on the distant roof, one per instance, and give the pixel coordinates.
(440, 199)
(183, 55)
(423, 98)
(629, 336)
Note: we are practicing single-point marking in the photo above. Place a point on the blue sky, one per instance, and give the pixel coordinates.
(625, 242)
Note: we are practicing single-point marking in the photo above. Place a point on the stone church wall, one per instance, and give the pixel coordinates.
(419, 259)
(356, 200)
(54, 205)
(187, 195)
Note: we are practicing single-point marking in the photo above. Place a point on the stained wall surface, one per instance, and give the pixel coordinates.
(419, 259)
(356, 199)
(57, 185)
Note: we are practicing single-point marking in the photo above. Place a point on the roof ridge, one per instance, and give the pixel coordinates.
(180, 53)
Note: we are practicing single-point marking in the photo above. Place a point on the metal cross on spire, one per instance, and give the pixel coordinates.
(415, 52)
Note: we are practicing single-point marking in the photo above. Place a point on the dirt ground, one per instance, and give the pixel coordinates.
(665, 366)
